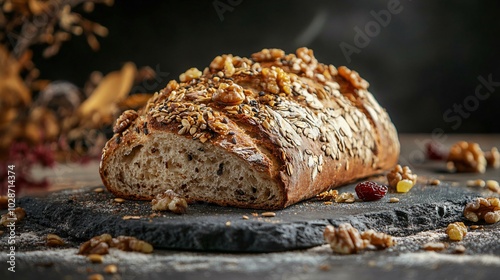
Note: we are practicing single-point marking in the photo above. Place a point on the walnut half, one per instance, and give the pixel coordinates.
(467, 157)
(487, 209)
(400, 173)
(347, 240)
(171, 201)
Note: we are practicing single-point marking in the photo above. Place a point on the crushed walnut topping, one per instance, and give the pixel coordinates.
(229, 94)
(328, 195)
(467, 157)
(290, 96)
(100, 245)
(456, 231)
(487, 209)
(124, 121)
(190, 74)
(345, 239)
(268, 55)
(170, 201)
(15, 216)
(493, 158)
(400, 173)
(353, 77)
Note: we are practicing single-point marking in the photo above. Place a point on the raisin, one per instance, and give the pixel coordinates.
(369, 191)
(435, 151)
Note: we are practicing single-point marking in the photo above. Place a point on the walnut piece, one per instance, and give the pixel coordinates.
(124, 121)
(171, 201)
(129, 243)
(353, 77)
(190, 74)
(456, 231)
(54, 240)
(346, 197)
(347, 240)
(328, 195)
(378, 239)
(229, 95)
(487, 209)
(400, 173)
(268, 55)
(15, 216)
(467, 157)
(96, 245)
(100, 245)
(493, 158)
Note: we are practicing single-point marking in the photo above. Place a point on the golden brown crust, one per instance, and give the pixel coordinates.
(312, 126)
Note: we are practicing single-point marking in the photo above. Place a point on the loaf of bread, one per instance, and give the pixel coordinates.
(263, 132)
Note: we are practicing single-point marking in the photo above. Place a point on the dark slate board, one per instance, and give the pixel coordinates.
(82, 214)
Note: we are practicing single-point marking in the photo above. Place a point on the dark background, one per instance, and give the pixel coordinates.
(423, 63)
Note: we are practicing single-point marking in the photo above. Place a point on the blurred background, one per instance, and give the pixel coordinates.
(69, 67)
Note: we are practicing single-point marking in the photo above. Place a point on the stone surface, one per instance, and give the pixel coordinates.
(83, 213)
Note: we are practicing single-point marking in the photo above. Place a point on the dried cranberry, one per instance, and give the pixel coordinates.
(435, 151)
(369, 191)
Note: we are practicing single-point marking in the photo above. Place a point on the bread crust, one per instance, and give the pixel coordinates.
(305, 125)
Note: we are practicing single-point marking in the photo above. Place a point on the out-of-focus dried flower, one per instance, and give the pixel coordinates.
(487, 209)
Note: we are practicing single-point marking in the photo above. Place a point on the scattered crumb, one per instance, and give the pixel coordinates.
(111, 269)
(435, 182)
(119, 200)
(325, 267)
(328, 202)
(255, 214)
(245, 217)
(393, 199)
(434, 246)
(459, 249)
(268, 214)
(228, 224)
(127, 217)
(96, 276)
(98, 190)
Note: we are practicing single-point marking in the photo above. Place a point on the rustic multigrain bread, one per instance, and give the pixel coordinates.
(262, 132)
